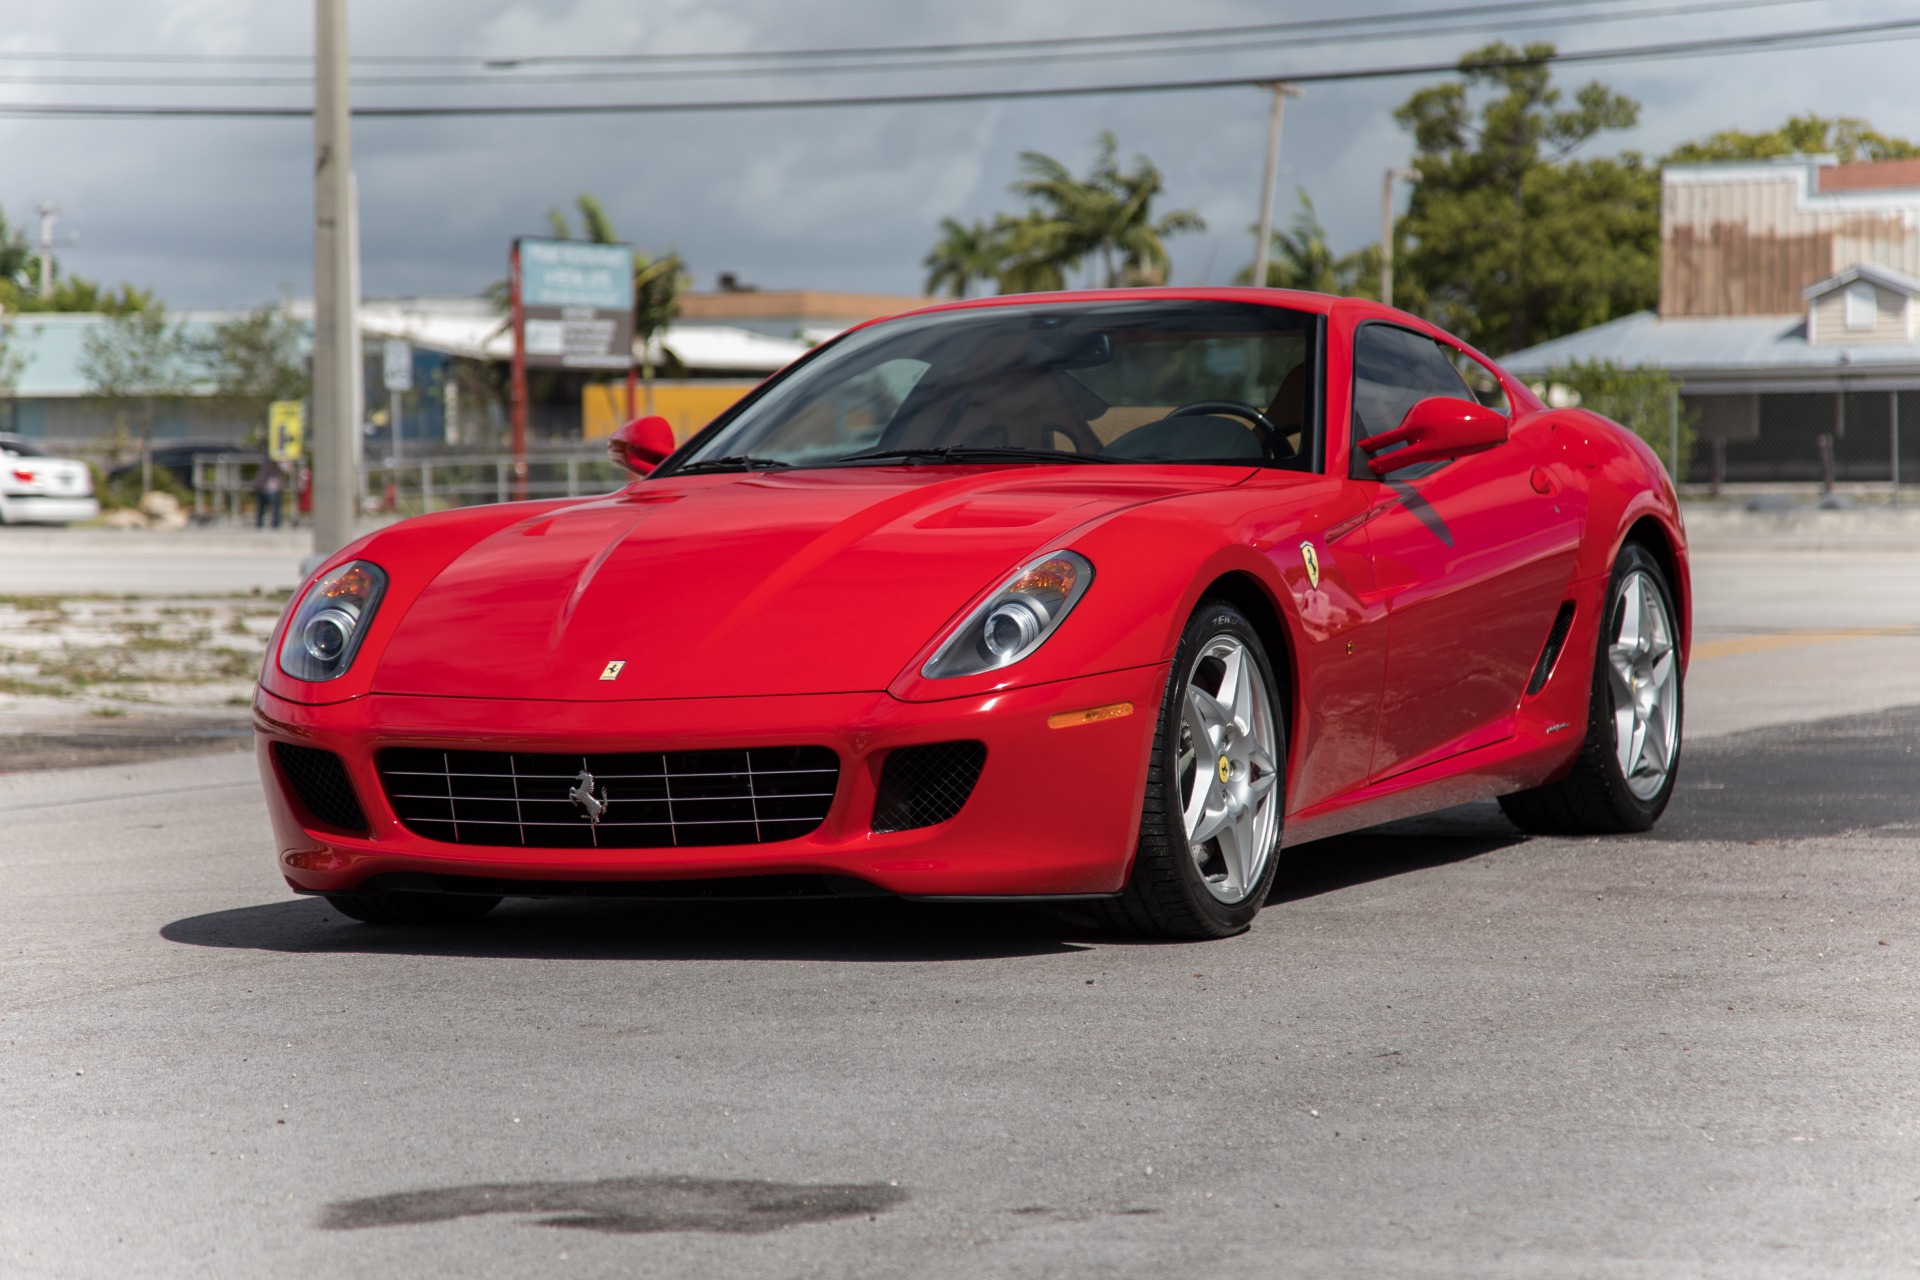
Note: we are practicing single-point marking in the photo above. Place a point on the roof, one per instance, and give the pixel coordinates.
(1710, 346)
(1894, 281)
(50, 346)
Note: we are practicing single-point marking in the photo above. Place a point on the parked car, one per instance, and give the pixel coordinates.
(1105, 597)
(175, 457)
(37, 488)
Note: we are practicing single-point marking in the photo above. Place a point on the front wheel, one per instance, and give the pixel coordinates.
(1625, 772)
(1210, 823)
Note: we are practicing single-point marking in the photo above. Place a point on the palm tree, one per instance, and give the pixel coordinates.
(1108, 214)
(1302, 259)
(963, 255)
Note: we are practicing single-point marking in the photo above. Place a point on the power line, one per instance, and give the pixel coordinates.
(875, 68)
(507, 60)
(1898, 29)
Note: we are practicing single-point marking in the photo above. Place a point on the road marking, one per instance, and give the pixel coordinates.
(1791, 640)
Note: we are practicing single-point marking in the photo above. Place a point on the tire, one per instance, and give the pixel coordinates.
(1174, 892)
(1600, 796)
(401, 907)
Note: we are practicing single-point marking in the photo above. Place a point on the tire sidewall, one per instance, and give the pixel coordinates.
(1636, 814)
(1211, 620)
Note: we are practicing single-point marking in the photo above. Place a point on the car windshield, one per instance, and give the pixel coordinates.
(1127, 381)
(21, 449)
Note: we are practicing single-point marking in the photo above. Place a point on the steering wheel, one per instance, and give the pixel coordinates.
(1270, 439)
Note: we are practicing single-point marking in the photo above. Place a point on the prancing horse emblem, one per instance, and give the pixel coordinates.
(582, 795)
(1311, 559)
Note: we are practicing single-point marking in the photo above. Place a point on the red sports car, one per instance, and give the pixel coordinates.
(1103, 596)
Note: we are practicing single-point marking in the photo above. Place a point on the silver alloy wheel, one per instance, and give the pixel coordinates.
(1643, 677)
(1227, 768)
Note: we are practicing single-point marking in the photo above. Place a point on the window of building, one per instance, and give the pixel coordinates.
(1863, 304)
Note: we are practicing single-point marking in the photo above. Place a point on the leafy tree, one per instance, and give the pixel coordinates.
(1849, 137)
(253, 360)
(1643, 400)
(963, 255)
(1107, 216)
(140, 364)
(11, 362)
(1301, 258)
(1508, 242)
(20, 283)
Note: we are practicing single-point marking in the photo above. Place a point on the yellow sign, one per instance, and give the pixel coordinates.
(286, 430)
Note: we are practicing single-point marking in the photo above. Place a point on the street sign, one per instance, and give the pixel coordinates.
(286, 430)
(397, 367)
(577, 304)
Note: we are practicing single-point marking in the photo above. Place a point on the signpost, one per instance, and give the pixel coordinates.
(572, 309)
(396, 370)
(286, 430)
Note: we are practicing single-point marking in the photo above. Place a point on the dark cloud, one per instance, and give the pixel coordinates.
(219, 213)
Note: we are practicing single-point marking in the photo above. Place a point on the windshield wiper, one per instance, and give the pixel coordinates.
(733, 462)
(973, 453)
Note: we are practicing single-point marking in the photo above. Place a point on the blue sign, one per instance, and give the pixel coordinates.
(569, 273)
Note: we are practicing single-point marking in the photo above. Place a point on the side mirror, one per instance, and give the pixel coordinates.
(641, 445)
(1435, 429)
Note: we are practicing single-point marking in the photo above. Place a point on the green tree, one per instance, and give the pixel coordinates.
(1301, 258)
(658, 282)
(254, 359)
(964, 255)
(1643, 400)
(141, 364)
(1848, 137)
(11, 363)
(1106, 216)
(1508, 242)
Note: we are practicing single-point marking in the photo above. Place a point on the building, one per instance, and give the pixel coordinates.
(1788, 314)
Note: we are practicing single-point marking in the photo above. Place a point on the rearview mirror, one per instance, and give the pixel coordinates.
(641, 445)
(1436, 429)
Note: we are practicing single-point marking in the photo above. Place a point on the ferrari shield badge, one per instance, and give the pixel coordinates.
(1308, 557)
(612, 671)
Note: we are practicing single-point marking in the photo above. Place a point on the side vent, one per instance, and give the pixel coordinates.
(1556, 639)
(320, 781)
(925, 786)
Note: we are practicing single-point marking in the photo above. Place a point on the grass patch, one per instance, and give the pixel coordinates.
(108, 713)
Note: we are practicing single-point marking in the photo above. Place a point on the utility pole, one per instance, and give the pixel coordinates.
(1386, 230)
(1281, 92)
(336, 344)
(47, 214)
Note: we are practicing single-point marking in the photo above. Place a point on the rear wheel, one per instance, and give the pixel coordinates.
(1210, 824)
(401, 907)
(1625, 772)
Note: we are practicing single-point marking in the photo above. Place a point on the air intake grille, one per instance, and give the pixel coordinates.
(320, 781)
(1562, 623)
(644, 800)
(925, 786)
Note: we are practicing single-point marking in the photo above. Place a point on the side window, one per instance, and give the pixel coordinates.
(1393, 370)
(1486, 388)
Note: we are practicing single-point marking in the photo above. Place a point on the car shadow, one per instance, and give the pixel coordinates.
(865, 930)
(1392, 849)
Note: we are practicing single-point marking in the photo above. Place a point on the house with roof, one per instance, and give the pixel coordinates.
(1790, 315)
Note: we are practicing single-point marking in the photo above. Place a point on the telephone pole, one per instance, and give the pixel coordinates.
(1281, 92)
(336, 346)
(1386, 230)
(47, 214)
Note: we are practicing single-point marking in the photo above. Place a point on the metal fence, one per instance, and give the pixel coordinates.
(223, 483)
(1824, 439)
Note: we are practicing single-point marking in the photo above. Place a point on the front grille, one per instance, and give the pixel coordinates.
(320, 781)
(924, 786)
(647, 800)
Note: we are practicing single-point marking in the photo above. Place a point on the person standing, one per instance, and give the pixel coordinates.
(269, 491)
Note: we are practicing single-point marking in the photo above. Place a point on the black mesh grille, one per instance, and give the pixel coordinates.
(1562, 623)
(924, 786)
(320, 781)
(647, 800)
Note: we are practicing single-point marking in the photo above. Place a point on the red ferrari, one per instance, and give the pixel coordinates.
(1102, 596)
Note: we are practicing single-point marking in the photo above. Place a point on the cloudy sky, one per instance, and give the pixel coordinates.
(218, 213)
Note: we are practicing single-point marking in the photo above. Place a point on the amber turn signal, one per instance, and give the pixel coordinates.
(1092, 715)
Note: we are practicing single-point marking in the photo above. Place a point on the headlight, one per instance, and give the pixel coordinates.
(1016, 620)
(326, 630)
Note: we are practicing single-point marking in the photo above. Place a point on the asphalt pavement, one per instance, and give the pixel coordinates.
(1444, 1050)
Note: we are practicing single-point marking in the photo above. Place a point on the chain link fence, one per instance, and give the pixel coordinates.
(1858, 440)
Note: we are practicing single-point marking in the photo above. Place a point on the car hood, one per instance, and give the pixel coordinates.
(819, 581)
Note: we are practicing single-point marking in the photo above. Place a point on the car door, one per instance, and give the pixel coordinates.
(1471, 558)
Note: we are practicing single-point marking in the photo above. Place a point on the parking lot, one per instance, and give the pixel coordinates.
(1444, 1050)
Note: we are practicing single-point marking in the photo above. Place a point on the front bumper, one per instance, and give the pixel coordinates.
(1055, 812)
(41, 509)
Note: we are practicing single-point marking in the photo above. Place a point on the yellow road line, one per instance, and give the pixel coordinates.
(1791, 640)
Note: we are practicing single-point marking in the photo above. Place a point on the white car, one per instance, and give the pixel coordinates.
(38, 489)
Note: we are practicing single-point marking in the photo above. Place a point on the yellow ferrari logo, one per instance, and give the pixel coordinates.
(1226, 769)
(613, 669)
(1310, 558)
